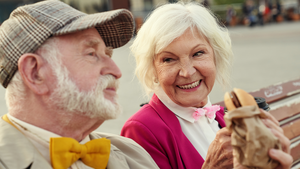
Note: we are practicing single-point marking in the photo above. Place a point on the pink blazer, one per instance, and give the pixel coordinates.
(158, 130)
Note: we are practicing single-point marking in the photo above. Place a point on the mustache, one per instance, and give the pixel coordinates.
(107, 81)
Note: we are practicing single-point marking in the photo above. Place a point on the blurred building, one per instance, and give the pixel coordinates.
(6, 6)
(140, 8)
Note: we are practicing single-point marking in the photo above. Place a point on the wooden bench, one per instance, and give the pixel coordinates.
(284, 101)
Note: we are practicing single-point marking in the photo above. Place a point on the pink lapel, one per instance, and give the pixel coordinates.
(190, 158)
(219, 117)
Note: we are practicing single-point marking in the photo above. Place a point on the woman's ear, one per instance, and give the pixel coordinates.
(155, 76)
(32, 70)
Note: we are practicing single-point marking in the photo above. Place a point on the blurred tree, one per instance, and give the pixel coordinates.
(224, 2)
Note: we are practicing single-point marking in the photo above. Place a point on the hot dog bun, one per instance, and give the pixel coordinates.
(238, 98)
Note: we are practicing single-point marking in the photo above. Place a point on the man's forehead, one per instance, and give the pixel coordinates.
(89, 37)
(92, 41)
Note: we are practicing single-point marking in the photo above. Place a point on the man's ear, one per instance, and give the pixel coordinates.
(32, 69)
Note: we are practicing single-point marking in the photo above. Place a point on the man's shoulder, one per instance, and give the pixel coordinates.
(119, 142)
(15, 145)
(112, 137)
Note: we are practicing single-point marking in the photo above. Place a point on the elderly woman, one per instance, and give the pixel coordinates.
(180, 51)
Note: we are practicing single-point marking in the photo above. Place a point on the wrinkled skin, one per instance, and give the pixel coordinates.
(220, 153)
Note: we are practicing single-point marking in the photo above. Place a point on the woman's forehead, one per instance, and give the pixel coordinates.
(193, 31)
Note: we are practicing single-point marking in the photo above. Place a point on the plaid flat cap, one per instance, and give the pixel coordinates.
(29, 26)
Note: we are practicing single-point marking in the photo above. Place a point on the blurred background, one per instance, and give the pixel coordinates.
(230, 12)
(265, 39)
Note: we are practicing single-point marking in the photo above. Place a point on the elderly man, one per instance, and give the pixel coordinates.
(61, 85)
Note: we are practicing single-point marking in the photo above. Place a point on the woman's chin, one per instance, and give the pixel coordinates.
(192, 103)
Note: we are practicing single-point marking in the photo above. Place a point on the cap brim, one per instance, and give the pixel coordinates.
(115, 27)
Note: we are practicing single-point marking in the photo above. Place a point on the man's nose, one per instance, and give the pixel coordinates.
(111, 68)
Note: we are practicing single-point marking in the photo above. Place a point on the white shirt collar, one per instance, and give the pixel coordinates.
(185, 113)
(40, 138)
(39, 132)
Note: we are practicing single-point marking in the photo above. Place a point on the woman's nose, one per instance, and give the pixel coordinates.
(187, 70)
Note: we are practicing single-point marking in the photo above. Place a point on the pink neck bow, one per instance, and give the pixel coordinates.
(209, 111)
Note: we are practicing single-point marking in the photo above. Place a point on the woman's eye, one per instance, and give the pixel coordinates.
(199, 53)
(167, 59)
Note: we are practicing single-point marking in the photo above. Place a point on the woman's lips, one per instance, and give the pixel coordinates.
(190, 86)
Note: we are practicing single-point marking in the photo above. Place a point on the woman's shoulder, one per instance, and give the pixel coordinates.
(146, 116)
(146, 112)
(147, 125)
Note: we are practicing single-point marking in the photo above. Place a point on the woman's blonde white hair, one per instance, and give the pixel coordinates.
(169, 22)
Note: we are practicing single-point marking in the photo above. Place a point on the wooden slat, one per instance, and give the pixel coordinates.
(220, 104)
(292, 129)
(278, 91)
(295, 151)
(275, 92)
(286, 110)
(283, 110)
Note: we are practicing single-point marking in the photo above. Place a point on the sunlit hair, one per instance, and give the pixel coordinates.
(170, 21)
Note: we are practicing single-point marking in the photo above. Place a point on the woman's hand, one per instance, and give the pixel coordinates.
(219, 153)
(282, 156)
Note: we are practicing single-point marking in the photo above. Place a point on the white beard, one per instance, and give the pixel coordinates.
(93, 104)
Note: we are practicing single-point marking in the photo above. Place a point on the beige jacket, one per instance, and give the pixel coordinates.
(17, 152)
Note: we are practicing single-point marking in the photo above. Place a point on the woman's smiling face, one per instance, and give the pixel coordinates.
(186, 69)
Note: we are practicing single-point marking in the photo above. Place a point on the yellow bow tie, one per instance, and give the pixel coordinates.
(65, 151)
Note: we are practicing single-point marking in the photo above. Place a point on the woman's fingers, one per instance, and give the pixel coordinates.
(285, 142)
(283, 156)
(270, 124)
(222, 142)
(269, 116)
(273, 125)
(224, 131)
(284, 159)
(219, 154)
